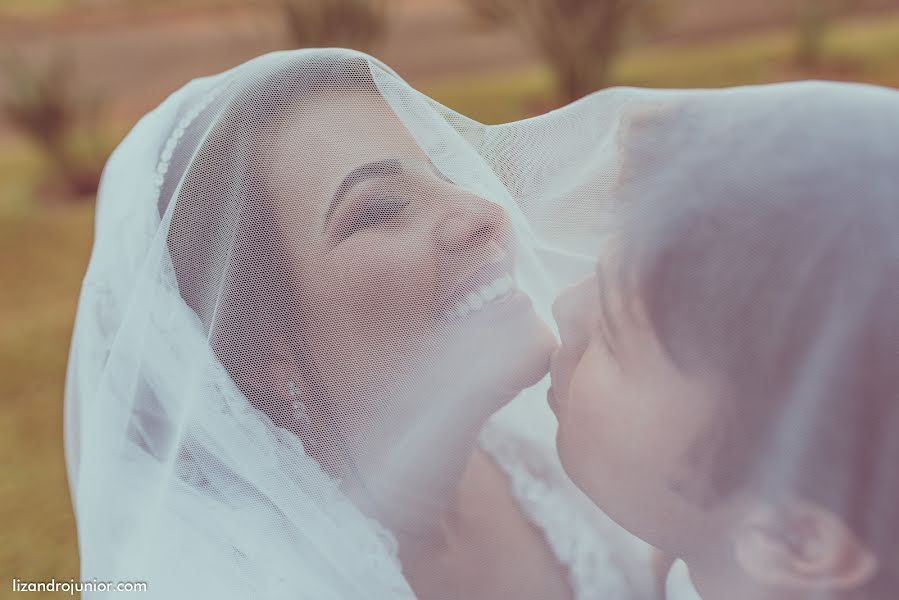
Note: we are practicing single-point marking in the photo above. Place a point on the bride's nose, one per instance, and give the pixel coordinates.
(470, 221)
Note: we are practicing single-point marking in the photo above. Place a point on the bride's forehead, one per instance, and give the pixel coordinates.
(339, 130)
(335, 135)
(365, 111)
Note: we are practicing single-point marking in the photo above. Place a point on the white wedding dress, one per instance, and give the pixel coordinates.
(678, 585)
(602, 559)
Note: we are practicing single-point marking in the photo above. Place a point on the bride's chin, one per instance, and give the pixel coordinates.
(535, 365)
(525, 360)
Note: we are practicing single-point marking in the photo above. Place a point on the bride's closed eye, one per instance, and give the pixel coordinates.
(374, 212)
(380, 208)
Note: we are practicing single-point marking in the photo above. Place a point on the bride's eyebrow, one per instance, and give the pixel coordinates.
(369, 170)
(436, 171)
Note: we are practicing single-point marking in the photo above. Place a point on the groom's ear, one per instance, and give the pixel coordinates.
(801, 546)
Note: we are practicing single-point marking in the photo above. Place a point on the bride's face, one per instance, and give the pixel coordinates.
(405, 282)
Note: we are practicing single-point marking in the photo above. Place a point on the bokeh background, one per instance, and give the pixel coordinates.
(76, 74)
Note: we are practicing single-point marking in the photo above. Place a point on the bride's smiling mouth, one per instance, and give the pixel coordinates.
(482, 289)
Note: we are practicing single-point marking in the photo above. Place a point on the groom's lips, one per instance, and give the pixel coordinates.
(554, 381)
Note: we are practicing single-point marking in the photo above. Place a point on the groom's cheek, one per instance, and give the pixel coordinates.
(564, 444)
(575, 442)
(578, 457)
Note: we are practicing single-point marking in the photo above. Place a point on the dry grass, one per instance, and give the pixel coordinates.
(864, 49)
(44, 256)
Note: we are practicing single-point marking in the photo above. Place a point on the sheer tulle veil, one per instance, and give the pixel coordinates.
(252, 407)
(196, 424)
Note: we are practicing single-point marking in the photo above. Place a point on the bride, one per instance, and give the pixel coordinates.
(307, 345)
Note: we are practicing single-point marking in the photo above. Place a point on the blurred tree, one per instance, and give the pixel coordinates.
(358, 24)
(43, 103)
(579, 39)
(814, 18)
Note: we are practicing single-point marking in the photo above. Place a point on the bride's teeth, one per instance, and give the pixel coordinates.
(485, 294)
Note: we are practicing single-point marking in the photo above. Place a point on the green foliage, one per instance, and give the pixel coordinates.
(358, 24)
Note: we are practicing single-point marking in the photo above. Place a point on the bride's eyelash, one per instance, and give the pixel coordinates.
(376, 212)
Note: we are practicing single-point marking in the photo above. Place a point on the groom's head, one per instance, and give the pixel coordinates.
(728, 385)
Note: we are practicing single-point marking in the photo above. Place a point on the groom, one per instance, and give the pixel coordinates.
(727, 386)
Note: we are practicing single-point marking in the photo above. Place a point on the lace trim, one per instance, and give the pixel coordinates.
(547, 501)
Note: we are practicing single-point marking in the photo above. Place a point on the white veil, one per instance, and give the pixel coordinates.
(222, 438)
(166, 457)
(201, 456)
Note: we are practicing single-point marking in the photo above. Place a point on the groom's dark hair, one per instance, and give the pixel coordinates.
(753, 274)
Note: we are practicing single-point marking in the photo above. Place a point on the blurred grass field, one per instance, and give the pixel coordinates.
(45, 250)
(865, 50)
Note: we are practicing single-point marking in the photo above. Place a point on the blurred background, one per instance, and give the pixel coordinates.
(76, 74)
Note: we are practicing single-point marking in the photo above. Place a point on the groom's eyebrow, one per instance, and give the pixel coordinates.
(373, 169)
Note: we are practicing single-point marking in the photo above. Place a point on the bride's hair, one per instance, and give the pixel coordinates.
(786, 292)
(231, 261)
